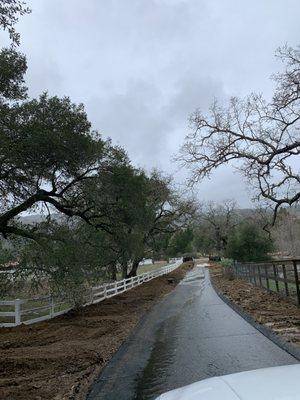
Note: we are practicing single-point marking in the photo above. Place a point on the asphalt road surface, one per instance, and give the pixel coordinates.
(190, 335)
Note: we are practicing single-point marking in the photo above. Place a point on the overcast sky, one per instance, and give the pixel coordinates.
(142, 66)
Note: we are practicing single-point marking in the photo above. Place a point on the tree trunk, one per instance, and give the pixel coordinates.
(124, 269)
(113, 272)
(134, 268)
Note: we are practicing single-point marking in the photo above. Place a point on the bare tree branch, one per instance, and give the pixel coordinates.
(261, 139)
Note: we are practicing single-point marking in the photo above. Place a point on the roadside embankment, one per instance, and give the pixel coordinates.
(277, 314)
(59, 359)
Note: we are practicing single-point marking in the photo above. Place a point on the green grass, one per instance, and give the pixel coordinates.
(281, 285)
(151, 267)
(33, 304)
(145, 268)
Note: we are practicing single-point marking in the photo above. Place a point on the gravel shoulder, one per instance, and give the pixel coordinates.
(268, 309)
(60, 358)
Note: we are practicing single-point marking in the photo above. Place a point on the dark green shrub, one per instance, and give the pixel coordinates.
(248, 242)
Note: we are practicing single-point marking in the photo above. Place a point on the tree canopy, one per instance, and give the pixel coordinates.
(48, 150)
(10, 11)
(100, 212)
(248, 242)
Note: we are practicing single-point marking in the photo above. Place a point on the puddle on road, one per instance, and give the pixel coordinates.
(152, 382)
(193, 277)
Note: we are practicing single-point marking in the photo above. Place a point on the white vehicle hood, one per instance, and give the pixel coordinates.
(278, 383)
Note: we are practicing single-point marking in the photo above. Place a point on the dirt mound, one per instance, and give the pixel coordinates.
(269, 309)
(58, 359)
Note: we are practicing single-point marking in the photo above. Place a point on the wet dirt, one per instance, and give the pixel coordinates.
(59, 359)
(269, 309)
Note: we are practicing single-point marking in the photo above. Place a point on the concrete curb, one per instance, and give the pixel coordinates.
(279, 341)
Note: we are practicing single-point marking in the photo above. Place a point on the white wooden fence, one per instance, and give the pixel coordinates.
(29, 311)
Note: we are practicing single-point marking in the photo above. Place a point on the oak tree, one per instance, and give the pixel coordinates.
(261, 138)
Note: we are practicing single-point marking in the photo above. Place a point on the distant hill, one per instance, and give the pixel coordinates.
(33, 219)
(38, 218)
(248, 212)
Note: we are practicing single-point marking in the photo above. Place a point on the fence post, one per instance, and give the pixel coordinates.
(285, 281)
(235, 268)
(51, 307)
(275, 276)
(267, 277)
(254, 274)
(296, 281)
(17, 312)
(91, 295)
(249, 273)
(259, 275)
(119, 287)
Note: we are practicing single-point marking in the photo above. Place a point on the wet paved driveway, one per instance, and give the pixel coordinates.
(191, 335)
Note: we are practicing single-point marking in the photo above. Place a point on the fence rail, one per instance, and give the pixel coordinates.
(280, 276)
(30, 311)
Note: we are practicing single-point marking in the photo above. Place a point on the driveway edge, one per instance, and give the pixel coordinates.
(279, 341)
(104, 375)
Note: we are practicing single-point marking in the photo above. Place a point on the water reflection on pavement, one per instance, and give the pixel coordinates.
(191, 335)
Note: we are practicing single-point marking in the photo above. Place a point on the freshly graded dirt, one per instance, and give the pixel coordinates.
(269, 309)
(60, 358)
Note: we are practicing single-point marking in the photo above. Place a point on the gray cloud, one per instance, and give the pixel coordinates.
(142, 66)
